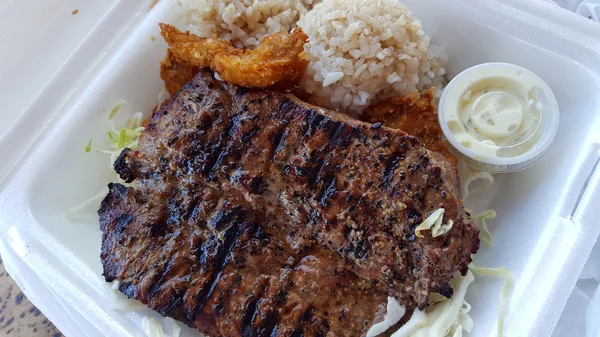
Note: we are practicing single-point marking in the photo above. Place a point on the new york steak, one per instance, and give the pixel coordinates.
(256, 214)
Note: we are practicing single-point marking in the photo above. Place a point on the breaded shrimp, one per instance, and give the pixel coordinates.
(278, 62)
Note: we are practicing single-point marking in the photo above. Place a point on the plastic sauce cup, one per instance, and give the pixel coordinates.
(499, 117)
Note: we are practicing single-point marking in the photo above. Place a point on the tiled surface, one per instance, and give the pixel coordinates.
(18, 317)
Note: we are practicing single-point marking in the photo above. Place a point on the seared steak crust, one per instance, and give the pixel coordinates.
(256, 214)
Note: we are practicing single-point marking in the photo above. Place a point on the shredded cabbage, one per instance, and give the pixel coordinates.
(467, 176)
(416, 321)
(152, 328)
(84, 206)
(174, 327)
(479, 220)
(394, 312)
(434, 222)
(508, 281)
(445, 317)
(163, 95)
(443, 229)
(464, 322)
(435, 298)
(121, 302)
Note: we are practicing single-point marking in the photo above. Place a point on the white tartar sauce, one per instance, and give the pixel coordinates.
(498, 115)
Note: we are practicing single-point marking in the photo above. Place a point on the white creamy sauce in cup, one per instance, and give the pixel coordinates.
(499, 116)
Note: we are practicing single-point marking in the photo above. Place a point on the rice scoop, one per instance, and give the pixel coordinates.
(361, 51)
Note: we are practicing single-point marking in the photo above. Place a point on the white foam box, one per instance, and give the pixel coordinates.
(61, 74)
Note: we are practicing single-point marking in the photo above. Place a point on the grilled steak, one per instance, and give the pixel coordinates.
(224, 276)
(256, 214)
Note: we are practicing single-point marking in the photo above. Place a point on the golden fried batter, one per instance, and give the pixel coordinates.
(414, 115)
(176, 72)
(193, 49)
(278, 62)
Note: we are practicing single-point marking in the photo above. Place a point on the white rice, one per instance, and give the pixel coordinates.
(244, 22)
(361, 51)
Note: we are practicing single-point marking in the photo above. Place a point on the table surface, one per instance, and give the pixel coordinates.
(18, 317)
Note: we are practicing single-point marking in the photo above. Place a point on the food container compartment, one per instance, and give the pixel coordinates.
(545, 227)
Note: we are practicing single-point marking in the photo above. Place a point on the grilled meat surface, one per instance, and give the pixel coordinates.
(256, 214)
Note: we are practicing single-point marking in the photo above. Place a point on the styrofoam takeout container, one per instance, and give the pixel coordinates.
(62, 73)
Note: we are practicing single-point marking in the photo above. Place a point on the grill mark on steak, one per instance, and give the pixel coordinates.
(328, 191)
(219, 150)
(221, 258)
(213, 304)
(279, 141)
(391, 164)
(249, 317)
(229, 188)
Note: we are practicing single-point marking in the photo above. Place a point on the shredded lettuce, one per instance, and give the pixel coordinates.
(119, 139)
(508, 282)
(434, 219)
(434, 223)
(465, 321)
(126, 137)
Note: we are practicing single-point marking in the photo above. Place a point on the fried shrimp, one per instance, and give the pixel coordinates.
(193, 49)
(278, 62)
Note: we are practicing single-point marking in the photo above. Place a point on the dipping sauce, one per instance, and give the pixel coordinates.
(500, 116)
